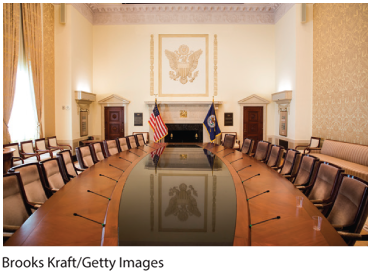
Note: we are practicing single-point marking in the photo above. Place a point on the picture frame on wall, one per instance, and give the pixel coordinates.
(283, 123)
(183, 65)
(83, 123)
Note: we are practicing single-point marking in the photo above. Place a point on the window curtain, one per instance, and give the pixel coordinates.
(11, 25)
(32, 36)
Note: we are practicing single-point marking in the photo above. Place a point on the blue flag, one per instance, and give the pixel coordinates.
(211, 124)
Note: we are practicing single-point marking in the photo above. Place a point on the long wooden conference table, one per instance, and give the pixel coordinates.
(97, 223)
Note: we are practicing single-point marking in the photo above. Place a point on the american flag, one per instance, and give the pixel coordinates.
(156, 154)
(157, 124)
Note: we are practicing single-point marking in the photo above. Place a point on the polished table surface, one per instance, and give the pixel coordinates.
(55, 224)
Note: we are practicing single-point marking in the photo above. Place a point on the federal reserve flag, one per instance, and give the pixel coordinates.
(211, 124)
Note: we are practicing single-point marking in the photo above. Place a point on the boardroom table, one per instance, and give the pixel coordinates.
(75, 217)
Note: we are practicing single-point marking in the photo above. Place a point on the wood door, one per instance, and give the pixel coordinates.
(253, 124)
(114, 122)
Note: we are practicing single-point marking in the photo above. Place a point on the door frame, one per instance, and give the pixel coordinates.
(254, 101)
(114, 101)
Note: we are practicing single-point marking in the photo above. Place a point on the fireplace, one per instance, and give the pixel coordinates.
(184, 133)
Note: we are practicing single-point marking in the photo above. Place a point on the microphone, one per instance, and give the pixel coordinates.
(251, 177)
(236, 160)
(228, 154)
(75, 214)
(125, 160)
(108, 177)
(244, 167)
(141, 150)
(257, 195)
(134, 153)
(109, 199)
(116, 167)
(278, 217)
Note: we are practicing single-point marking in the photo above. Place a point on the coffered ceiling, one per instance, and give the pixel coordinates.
(118, 14)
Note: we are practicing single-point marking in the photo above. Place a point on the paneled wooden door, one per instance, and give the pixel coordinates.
(253, 124)
(114, 122)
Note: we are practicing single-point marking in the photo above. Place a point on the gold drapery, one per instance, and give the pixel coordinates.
(11, 24)
(32, 35)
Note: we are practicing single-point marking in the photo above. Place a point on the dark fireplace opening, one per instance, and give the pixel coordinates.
(184, 133)
(283, 143)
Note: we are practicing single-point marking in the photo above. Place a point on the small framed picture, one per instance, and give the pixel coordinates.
(283, 123)
(83, 123)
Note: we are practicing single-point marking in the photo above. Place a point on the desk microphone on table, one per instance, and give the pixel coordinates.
(109, 199)
(244, 167)
(257, 195)
(278, 217)
(251, 177)
(108, 177)
(133, 153)
(117, 167)
(228, 154)
(75, 214)
(125, 160)
(236, 160)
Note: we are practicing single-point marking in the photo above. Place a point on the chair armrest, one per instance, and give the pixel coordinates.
(79, 169)
(338, 227)
(18, 158)
(35, 205)
(44, 151)
(321, 205)
(311, 148)
(297, 146)
(10, 228)
(30, 154)
(353, 236)
(69, 146)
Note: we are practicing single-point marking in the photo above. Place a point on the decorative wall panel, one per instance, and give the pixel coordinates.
(340, 72)
(48, 60)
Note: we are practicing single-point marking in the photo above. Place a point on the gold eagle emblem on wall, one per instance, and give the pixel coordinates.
(183, 62)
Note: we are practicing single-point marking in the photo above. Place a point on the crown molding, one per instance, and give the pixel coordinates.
(118, 14)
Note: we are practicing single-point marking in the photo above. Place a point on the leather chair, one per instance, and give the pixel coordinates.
(15, 208)
(52, 171)
(68, 167)
(28, 152)
(40, 145)
(52, 142)
(97, 151)
(275, 156)
(110, 147)
(140, 139)
(247, 146)
(145, 136)
(301, 179)
(325, 186)
(33, 183)
(291, 161)
(16, 159)
(84, 156)
(235, 143)
(229, 141)
(262, 149)
(314, 143)
(132, 143)
(350, 209)
(122, 144)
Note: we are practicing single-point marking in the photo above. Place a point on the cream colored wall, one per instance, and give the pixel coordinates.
(246, 65)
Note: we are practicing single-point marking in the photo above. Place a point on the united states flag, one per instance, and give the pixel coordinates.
(157, 124)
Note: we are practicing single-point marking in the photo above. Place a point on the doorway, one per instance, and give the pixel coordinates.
(114, 122)
(253, 124)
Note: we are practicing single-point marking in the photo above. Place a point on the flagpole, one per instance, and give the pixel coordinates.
(214, 112)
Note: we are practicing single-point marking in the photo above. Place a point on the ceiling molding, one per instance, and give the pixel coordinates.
(119, 14)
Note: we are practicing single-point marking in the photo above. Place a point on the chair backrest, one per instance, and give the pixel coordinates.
(53, 173)
(15, 208)
(140, 139)
(110, 147)
(291, 159)
(122, 144)
(305, 171)
(223, 134)
(97, 150)
(66, 160)
(325, 184)
(229, 141)
(27, 147)
(40, 144)
(315, 142)
(33, 182)
(274, 156)
(262, 150)
(350, 206)
(145, 135)
(52, 141)
(247, 146)
(14, 146)
(84, 156)
(131, 142)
